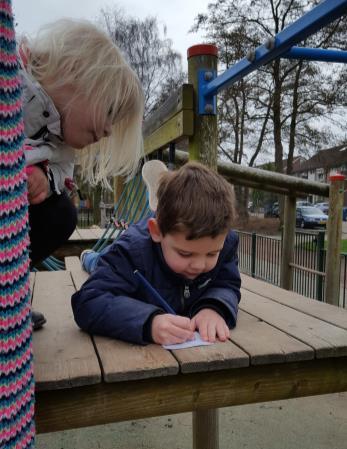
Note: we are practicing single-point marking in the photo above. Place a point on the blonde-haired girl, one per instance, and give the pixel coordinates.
(79, 94)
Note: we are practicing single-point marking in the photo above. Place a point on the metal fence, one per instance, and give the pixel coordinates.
(260, 257)
(309, 264)
(85, 217)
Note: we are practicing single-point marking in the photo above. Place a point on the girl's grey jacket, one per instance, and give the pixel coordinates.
(113, 303)
(42, 128)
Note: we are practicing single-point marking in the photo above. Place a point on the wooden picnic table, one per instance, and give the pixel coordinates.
(284, 346)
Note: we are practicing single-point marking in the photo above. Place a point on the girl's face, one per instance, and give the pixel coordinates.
(80, 128)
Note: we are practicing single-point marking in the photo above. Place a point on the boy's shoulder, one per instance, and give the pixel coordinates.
(232, 239)
(135, 245)
(136, 239)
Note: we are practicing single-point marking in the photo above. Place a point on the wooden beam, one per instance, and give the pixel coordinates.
(334, 233)
(206, 429)
(105, 403)
(178, 126)
(203, 142)
(179, 100)
(288, 242)
(265, 180)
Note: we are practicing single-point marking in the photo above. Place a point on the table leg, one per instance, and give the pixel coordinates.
(206, 429)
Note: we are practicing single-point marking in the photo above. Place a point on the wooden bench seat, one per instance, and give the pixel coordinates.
(283, 346)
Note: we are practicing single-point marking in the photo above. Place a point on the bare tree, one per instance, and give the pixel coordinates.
(148, 51)
(302, 95)
(287, 106)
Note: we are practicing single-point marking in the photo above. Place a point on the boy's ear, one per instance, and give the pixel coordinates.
(154, 230)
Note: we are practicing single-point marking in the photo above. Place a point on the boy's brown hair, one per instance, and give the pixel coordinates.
(195, 200)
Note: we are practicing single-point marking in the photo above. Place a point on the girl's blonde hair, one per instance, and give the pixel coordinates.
(76, 53)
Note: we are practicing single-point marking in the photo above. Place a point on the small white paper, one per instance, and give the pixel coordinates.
(198, 341)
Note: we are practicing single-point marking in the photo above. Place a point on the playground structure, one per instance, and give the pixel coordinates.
(62, 352)
(191, 113)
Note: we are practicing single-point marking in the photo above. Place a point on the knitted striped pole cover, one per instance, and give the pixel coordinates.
(16, 368)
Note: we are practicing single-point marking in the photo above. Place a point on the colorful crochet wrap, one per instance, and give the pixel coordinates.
(16, 365)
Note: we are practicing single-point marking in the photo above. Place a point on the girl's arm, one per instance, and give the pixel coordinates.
(56, 161)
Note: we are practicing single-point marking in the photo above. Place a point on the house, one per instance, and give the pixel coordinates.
(320, 166)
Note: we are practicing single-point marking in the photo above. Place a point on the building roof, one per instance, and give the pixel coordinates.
(297, 161)
(330, 158)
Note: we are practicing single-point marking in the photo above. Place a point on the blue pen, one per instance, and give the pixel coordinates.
(153, 292)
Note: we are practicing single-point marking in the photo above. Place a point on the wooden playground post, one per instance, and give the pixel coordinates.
(203, 142)
(332, 279)
(288, 242)
(203, 148)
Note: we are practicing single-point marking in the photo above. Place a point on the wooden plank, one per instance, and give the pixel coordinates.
(64, 357)
(90, 234)
(265, 344)
(75, 235)
(123, 361)
(79, 276)
(182, 98)
(181, 125)
(87, 234)
(99, 232)
(112, 234)
(72, 263)
(327, 340)
(211, 358)
(326, 312)
(121, 401)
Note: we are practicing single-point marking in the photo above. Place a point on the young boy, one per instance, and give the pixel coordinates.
(186, 252)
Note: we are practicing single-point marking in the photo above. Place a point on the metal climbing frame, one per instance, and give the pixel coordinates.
(279, 46)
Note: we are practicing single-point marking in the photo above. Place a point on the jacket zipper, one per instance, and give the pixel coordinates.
(185, 294)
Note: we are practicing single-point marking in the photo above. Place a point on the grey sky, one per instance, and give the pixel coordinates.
(177, 15)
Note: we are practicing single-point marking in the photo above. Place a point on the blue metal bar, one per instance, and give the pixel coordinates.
(320, 16)
(316, 54)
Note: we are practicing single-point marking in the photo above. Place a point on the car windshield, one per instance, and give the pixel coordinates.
(311, 211)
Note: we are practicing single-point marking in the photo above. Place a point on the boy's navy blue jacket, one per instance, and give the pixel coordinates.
(113, 303)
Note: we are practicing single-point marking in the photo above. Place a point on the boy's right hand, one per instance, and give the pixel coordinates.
(38, 185)
(170, 329)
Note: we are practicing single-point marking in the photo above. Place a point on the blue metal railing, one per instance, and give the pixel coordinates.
(278, 46)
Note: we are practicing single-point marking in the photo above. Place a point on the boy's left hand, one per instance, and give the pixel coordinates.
(210, 325)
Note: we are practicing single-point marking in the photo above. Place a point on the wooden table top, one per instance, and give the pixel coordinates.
(89, 234)
(276, 328)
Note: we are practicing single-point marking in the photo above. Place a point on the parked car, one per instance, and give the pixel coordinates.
(271, 210)
(310, 217)
(303, 203)
(324, 207)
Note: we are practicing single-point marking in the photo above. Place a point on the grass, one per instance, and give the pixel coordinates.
(312, 245)
(344, 246)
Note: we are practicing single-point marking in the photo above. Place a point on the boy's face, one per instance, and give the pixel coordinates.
(189, 258)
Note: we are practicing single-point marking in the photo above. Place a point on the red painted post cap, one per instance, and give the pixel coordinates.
(337, 177)
(202, 49)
